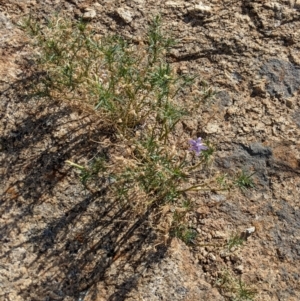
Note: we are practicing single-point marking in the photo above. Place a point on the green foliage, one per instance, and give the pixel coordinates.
(179, 228)
(244, 180)
(92, 170)
(222, 181)
(208, 93)
(157, 42)
(235, 289)
(208, 153)
(184, 233)
(134, 91)
(111, 74)
(30, 25)
(243, 292)
(235, 240)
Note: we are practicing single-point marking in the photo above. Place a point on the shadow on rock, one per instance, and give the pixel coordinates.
(68, 237)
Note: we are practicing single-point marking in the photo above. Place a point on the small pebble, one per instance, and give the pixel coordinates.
(212, 257)
(89, 14)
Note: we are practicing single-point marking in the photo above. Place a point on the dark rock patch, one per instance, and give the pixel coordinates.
(283, 77)
(251, 159)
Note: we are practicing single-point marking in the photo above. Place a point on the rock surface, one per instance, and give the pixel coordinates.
(59, 242)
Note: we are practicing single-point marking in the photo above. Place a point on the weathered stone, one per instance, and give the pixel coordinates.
(290, 103)
(174, 4)
(200, 8)
(219, 234)
(212, 128)
(176, 276)
(296, 118)
(89, 14)
(283, 77)
(190, 124)
(257, 149)
(212, 257)
(125, 14)
(224, 98)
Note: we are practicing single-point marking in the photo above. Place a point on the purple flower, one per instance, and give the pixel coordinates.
(197, 146)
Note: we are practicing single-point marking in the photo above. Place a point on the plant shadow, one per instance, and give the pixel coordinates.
(65, 239)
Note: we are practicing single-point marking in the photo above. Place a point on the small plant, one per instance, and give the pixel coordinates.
(244, 180)
(184, 233)
(235, 289)
(90, 172)
(179, 228)
(135, 92)
(207, 154)
(243, 292)
(31, 26)
(208, 92)
(235, 240)
(222, 181)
